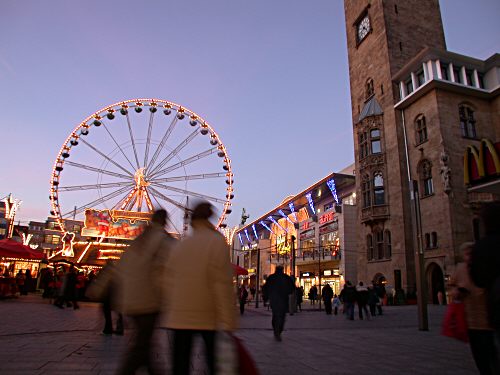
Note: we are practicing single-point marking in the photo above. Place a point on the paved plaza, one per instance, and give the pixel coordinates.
(37, 338)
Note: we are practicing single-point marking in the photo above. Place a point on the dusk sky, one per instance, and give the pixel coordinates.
(270, 76)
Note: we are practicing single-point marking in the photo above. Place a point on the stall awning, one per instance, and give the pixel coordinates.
(13, 249)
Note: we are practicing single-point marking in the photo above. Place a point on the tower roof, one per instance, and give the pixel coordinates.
(371, 108)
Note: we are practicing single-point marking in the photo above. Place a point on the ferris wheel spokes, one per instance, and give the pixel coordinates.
(106, 157)
(132, 139)
(174, 152)
(188, 177)
(157, 194)
(162, 143)
(189, 193)
(148, 139)
(97, 201)
(94, 186)
(184, 162)
(97, 170)
(117, 145)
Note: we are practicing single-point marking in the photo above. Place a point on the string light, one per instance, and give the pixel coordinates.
(285, 216)
(241, 239)
(292, 208)
(265, 226)
(311, 203)
(255, 231)
(333, 189)
(248, 237)
(276, 223)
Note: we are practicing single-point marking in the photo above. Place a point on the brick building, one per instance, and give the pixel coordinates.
(422, 117)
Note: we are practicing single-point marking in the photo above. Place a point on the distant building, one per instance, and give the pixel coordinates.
(48, 235)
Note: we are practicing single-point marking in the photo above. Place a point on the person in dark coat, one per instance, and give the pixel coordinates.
(299, 295)
(362, 299)
(484, 263)
(327, 295)
(243, 296)
(372, 300)
(313, 294)
(348, 298)
(70, 292)
(279, 286)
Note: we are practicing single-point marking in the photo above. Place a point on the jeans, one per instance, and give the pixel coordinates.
(361, 307)
(349, 310)
(139, 354)
(181, 354)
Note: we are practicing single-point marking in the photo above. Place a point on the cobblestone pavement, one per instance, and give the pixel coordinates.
(38, 338)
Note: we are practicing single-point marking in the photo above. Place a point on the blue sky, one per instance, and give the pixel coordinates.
(270, 76)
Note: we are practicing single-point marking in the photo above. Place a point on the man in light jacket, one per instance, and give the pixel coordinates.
(140, 270)
(200, 299)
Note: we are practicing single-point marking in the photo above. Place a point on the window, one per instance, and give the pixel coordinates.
(375, 141)
(378, 189)
(420, 77)
(420, 129)
(380, 244)
(427, 241)
(480, 82)
(363, 145)
(445, 72)
(327, 206)
(431, 240)
(467, 121)
(457, 74)
(52, 239)
(425, 172)
(434, 240)
(409, 86)
(365, 188)
(51, 225)
(388, 245)
(369, 247)
(469, 74)
(77, 228)
(369, 88)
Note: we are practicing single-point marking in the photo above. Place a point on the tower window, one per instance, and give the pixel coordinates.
(469, 74)
(366, 191)
(363, 145)
(425, 173)
(420, 129)
(379, 235)
(369, 247)
(445, 72)
(467, 121)
(388, 245)
(458, 76)
(409, 86)
(375, 141)
(378, 189)
(420, 77)
(369, 88)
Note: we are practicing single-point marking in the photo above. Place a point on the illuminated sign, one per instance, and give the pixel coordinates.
(307, 274)
(103, 224)
(327, 273)
(327, 217)
(306, 225)
(282, 244)
(251, 270)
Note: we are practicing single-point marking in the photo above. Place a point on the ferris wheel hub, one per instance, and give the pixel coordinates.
(139, 178)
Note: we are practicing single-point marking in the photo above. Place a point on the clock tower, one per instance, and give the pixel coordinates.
(382, 37)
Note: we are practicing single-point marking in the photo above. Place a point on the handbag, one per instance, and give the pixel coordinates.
(232, 357)
(454, 323)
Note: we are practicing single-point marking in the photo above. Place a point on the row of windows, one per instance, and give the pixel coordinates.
(369, 143)
(372, 190)
(52, 239)
(378, 245)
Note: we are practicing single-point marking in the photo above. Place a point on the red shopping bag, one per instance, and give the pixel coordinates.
(454, 324)
(246, 363)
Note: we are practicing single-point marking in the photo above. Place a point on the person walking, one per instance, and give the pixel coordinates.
(480, 330)
(372, 300)
(327, 295)
(362, 299)
(70, 291)
(348, 298)
(336, 304)
(140, 271)
(313, 294)
(299, 296)
(279, 286)
(243, 296)
(200, 294)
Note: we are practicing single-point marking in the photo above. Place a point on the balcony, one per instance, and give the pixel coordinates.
(374, 213)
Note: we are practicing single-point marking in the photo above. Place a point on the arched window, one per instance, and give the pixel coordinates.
(388, 245)
(378, 189)
(420, 129)
(467, 121)
(375, 141)
(366, 191)
(369, 88)
(425, 173)
(369, 247)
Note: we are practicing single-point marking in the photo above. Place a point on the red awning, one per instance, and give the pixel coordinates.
(237, 270)
(13, 249)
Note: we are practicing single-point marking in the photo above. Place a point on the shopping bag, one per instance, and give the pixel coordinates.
(454, 324)
(246, 363)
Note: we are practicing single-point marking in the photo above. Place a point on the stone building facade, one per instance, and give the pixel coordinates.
(416, 109)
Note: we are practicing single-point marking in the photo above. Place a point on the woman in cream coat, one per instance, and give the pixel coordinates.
(199, 293)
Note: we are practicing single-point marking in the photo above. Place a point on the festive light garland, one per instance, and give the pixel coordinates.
(241, 239)
(275, 222)
(248, 237)
(255, 231)
(285, 216)
(292, 208)
(265, 226)
(311, 203)
(333, 189)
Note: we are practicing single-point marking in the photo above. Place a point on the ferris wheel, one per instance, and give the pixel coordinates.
(138, 155)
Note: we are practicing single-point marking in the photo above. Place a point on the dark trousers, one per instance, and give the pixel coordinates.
(278, 321)
(183, 342)
(372, 309)
(242, 307)
(362, 307)
(328, 306)
(336, 310)
(139, 354)
(482, 345)
(349, 310)
(108, 319)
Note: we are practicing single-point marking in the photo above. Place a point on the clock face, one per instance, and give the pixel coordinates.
(363, 28)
